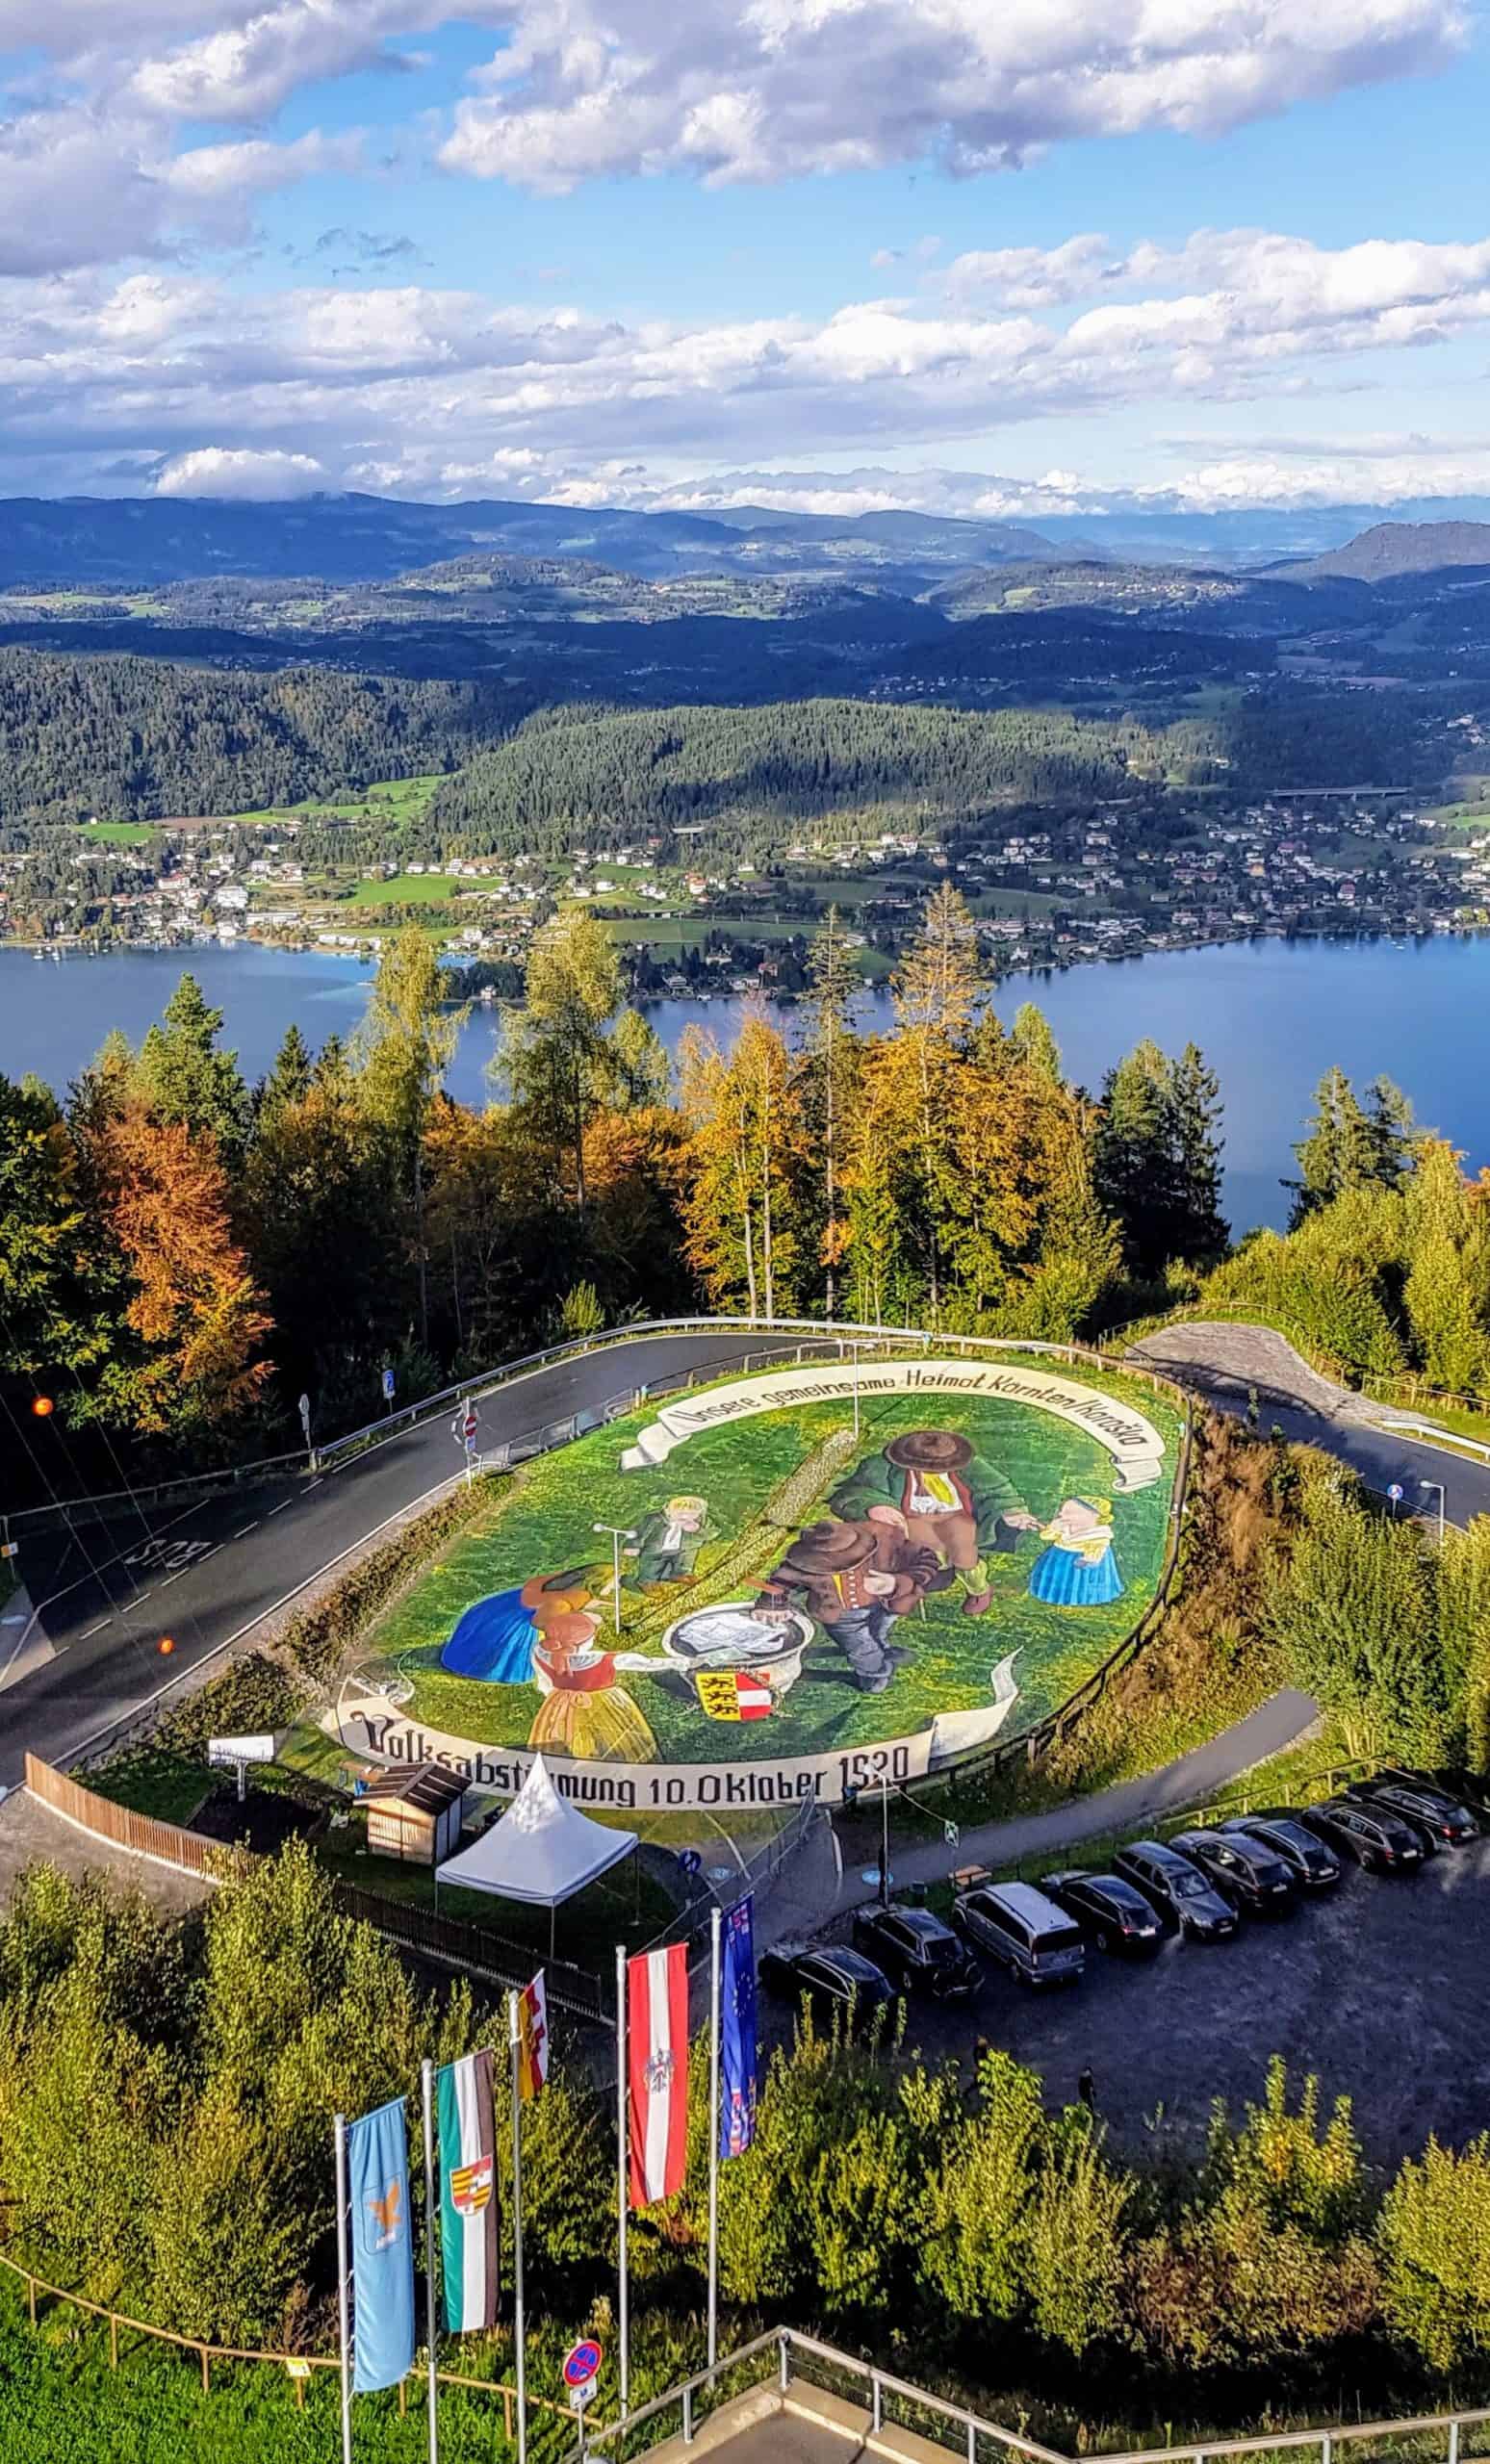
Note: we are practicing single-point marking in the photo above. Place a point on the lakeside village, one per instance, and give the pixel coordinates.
(1049, 890)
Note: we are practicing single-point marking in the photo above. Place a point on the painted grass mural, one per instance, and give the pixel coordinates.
(800, 1606)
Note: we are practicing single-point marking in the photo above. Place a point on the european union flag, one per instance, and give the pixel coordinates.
(737, 2032)
(382, 2247)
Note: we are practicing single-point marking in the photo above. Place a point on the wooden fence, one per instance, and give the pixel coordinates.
(297, 2365)
(165, 1843)
(446, 1940)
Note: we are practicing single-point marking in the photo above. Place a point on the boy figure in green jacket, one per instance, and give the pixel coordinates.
(666, 1547)
(931, 1486)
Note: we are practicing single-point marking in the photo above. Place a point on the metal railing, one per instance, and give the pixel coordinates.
(817, 1332)
(784, 2355)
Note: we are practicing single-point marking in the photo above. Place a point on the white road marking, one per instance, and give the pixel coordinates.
(248, 1528)
(133, 1711)
(170, 1579)
(314, 1485)
(95, 1630)
(279, 1509)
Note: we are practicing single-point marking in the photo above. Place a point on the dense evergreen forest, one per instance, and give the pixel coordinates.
(600, 778)
(139, 739)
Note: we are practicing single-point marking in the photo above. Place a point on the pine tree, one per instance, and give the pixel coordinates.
(1156, 1158)
(1204, 1232)
(828, 1072)
(403, 1047)
(1345, 1147)
(181, 1075)
(288, 1081)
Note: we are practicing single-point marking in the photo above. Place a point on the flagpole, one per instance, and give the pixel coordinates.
(623, 2183)
(715, 1927)
(519, 2315)
(343, 2303)
(432, 2219)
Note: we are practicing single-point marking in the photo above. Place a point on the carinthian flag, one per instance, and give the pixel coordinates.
(468, 2192)
(658, 2048)
(533, 2047)
(729, 1694)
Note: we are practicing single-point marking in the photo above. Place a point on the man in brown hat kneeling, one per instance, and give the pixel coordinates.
(855, 1580)
(930, 1487)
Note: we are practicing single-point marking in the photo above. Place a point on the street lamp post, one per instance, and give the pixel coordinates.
(617, 1533)
(1441, 1505)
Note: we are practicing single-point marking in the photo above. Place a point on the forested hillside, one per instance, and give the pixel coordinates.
(601, 778)
(142, 740)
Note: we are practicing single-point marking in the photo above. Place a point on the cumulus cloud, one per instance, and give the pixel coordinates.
(80, 186)
(586, 88)
(416, 389)
(249, 477)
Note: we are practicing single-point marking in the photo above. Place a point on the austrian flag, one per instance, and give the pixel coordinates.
(658, 2064)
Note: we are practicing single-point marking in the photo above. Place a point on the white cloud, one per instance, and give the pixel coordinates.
(251, 478)
(80, 186)
(416, 389)
(595, 87)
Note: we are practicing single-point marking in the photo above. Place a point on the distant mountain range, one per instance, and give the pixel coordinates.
(134, 542)
(1391, 549)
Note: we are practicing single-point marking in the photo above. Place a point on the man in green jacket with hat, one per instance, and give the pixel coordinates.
(928, 1486)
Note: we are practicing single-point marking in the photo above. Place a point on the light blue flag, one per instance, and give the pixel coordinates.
(737, 2033)
(382, 2247)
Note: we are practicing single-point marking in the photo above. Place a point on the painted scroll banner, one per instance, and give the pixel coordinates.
(1133, 1442)
(377, 1729)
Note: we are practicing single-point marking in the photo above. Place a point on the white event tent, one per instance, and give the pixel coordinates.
(542, 1850)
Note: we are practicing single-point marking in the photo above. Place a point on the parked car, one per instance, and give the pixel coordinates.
(1446, 1823)
(833, 1981)
(918, 1952)
(1375, 1837)
(1250, 1876)
(1313, 1865)
(1186, 1900)
(1111, 1912)
(1469, 1788)
(1017, 1924)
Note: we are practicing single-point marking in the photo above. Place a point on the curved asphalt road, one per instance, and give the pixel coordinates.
(1228, 1363)
(107, 1593)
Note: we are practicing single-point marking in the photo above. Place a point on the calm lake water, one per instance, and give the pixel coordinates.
(1269, 1016)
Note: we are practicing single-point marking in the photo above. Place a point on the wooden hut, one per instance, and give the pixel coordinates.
(416, 1815)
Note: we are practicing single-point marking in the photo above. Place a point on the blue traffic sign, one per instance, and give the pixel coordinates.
(388, 1385)
(582, 2362)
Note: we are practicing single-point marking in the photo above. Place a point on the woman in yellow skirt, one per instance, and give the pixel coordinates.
(584, 1713)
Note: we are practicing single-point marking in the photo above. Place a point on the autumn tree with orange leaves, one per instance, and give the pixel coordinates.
(194, 1310)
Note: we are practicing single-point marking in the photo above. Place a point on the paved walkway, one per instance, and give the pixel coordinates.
(1275, 1724)
(31, 1833)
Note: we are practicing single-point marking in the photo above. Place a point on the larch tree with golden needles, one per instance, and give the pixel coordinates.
(195, 1308)
(938, 989)
(738, 1209)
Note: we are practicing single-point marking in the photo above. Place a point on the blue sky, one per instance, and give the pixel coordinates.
(831, 252)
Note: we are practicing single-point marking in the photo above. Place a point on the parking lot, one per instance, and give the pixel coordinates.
(1382, 1987)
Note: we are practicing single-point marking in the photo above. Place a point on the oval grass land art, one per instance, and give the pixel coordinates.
(801, 1605)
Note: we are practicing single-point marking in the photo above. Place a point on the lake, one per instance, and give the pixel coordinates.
(1271, 1017)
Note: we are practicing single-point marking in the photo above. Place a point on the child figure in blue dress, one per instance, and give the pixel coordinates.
(1076, 1568)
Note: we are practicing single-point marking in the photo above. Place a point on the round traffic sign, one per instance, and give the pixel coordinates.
(582, 2362)
(1395, 1493)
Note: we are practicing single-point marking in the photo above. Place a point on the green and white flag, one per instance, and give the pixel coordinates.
(468, 2192)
